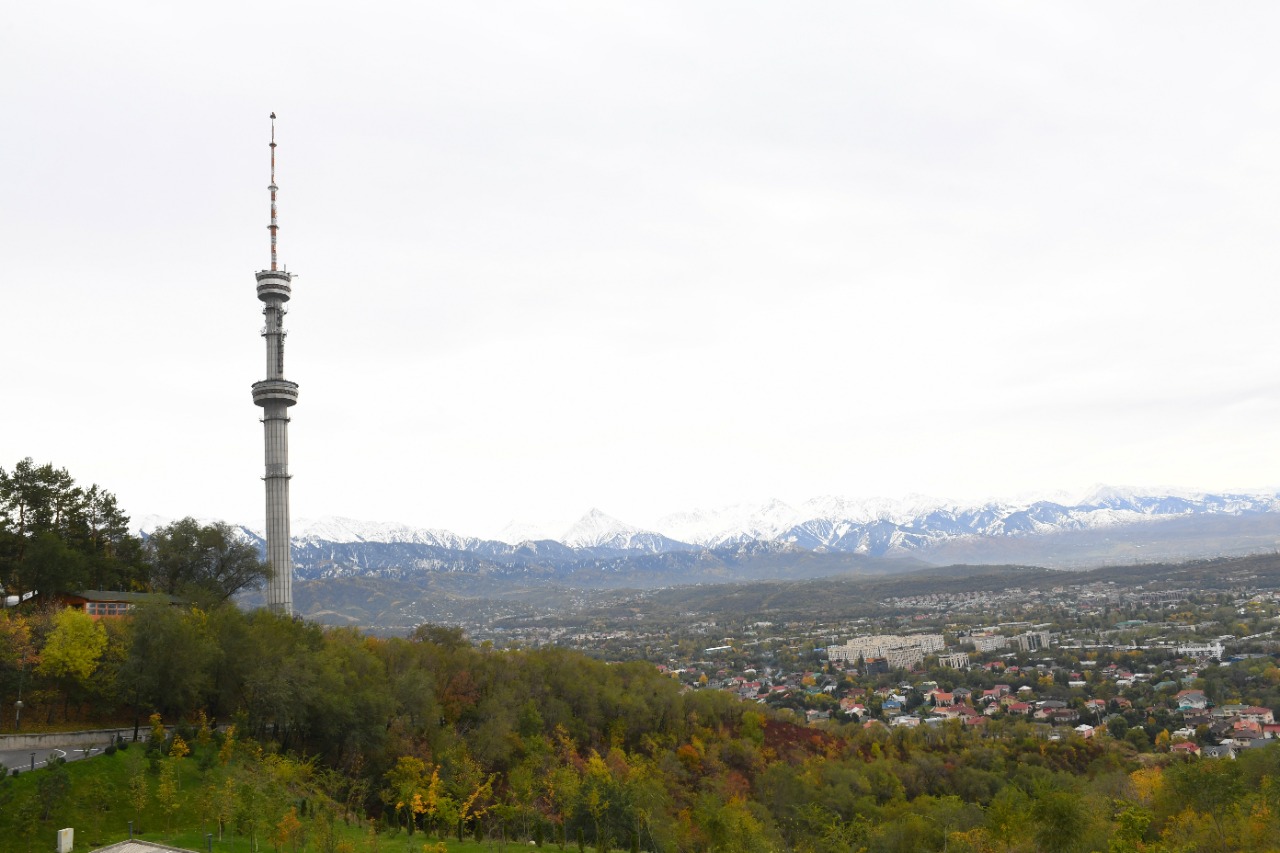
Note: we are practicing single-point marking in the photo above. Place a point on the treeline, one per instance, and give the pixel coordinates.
(429, 734)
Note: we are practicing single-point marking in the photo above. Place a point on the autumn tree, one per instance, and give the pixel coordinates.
(17, 650)
(168, 791)
(288, 832)
(72, 651)
(406, 784)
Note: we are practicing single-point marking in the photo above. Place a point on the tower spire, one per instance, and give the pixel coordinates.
(273, 227)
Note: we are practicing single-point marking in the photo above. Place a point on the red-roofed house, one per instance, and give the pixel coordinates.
(1193, 699)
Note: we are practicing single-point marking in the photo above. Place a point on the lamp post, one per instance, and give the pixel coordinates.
(17, 706)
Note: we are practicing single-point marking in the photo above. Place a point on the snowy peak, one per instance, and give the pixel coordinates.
(868, 510)
(731, 524)
(597, 530)
(348, 530)
(516, 532)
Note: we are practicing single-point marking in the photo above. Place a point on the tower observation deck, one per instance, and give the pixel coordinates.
(275, 395)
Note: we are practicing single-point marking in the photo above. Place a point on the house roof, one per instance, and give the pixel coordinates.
(128, 597)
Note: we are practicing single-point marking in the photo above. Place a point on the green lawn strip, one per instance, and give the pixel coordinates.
(97, 801)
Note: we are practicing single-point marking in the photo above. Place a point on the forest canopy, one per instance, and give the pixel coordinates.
(57, 536)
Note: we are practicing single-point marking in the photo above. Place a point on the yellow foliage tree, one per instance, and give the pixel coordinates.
(73, 648)
(225, 808)
(1147, 783)
(405, 783)
(228, 745)
(288, 832)
(167, 791)
(204, 733)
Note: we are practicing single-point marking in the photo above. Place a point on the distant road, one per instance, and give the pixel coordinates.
(21, 759)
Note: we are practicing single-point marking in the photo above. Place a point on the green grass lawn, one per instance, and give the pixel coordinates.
(401, 842)
(98, 798)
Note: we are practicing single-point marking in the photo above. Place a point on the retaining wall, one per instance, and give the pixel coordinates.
(52, 740)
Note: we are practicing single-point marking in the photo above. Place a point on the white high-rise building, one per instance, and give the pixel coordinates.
(276, 395)
(882, 645)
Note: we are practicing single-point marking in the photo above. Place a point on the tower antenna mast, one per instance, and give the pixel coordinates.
(273, 227)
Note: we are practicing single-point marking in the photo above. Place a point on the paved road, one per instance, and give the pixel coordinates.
(20, 759)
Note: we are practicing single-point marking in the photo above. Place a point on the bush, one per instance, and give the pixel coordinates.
(186, 731)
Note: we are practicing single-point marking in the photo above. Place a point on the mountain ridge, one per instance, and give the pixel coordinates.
(882, 535)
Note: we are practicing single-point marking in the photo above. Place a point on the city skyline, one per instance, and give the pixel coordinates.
(646, 259)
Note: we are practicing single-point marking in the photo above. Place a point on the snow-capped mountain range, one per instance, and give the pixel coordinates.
(875, 527)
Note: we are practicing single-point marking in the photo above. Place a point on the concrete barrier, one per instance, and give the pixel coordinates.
(52, 740)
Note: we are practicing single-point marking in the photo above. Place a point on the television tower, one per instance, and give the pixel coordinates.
(275, 395)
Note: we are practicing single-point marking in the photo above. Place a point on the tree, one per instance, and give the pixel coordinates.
(168, 793)
(17, 650)
(288, 832)
(168, 667)
(1138, 737)
(1060, 818)
(72, 650)
(57, 537)
(1213, 788)
(139, 790)
(53, 787)
(206, 562)
(406, 782)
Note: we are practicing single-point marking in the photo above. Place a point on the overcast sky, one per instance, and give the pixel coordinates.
(642, 256)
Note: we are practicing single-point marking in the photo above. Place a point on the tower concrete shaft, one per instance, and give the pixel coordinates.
(276, 395)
